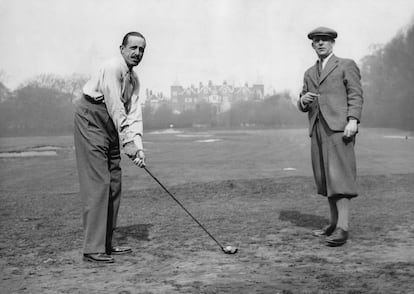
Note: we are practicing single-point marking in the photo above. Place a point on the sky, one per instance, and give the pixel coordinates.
(191, 41)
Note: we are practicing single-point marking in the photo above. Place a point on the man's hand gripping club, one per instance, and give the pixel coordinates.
(135, 154)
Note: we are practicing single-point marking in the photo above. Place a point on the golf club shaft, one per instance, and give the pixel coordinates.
(182, 206)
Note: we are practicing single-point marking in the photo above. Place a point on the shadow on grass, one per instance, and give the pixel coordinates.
(138, 232)
(303, 219)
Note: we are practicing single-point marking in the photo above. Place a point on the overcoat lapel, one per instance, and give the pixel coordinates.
(314, 75)
(330, 66)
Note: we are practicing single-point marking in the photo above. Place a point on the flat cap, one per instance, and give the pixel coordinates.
(323, 31)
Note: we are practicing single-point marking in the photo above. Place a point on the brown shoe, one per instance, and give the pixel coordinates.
(118, 250)
(98, 258)
(326, 231)
(338, 238)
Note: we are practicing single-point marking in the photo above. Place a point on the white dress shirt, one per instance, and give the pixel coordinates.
(118, 88)
(325, 61)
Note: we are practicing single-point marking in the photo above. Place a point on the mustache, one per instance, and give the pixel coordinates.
(136, 57)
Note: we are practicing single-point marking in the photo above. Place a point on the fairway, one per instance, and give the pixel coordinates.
(252, 189)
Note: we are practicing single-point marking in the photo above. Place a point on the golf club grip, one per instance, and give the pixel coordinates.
(182, 206)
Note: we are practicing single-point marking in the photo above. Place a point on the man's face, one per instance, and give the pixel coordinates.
(323, 45)
(133, 51)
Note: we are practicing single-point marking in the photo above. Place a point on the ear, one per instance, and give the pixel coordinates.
(313, 44)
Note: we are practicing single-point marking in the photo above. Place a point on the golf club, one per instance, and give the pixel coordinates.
(227, 249)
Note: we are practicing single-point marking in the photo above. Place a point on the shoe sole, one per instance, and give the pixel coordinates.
(89, 259)
(334, 244)
(317, 234)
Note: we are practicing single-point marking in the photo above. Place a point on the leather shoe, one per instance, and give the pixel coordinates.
(98, 258)
(120, 250)
(326, 231)
(338, 238)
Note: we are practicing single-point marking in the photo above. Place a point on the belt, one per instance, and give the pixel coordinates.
(92, 100)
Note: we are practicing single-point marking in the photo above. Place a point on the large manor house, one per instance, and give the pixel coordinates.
(220, 96)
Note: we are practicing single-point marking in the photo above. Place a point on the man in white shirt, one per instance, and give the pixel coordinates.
(332, 97)
(108, 118)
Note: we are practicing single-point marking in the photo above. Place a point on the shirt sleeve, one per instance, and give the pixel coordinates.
(134, 122)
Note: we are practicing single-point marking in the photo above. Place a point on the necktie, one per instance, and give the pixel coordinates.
(128, 90)
(319, 68)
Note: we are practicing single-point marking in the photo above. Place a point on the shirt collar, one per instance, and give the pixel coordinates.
(325, 60)
(125, 69)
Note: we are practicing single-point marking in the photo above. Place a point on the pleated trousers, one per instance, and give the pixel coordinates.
(98, 163)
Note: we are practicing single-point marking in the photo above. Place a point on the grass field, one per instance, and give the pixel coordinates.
(252, 189)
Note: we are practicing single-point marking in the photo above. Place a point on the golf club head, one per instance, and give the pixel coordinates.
(229, 250)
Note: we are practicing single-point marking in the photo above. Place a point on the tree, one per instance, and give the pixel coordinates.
(37, 111)
(388, 78)
(274, 111)
(71, 84)
(163, 116)
(4, 92)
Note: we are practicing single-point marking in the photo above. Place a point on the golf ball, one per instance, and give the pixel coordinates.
(229, 248)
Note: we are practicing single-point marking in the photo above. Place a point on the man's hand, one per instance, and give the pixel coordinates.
(351, 128)
(140, 158)
(130, 150)
(135, 154)
(308, 98)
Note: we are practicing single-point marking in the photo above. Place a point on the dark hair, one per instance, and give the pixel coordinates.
(136, 34)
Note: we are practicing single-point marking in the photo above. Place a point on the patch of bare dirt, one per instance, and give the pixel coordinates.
(269, 220)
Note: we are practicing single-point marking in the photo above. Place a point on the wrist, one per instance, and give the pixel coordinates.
(351, 118)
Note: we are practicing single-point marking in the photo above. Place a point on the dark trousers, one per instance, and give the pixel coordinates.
(98, 161)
